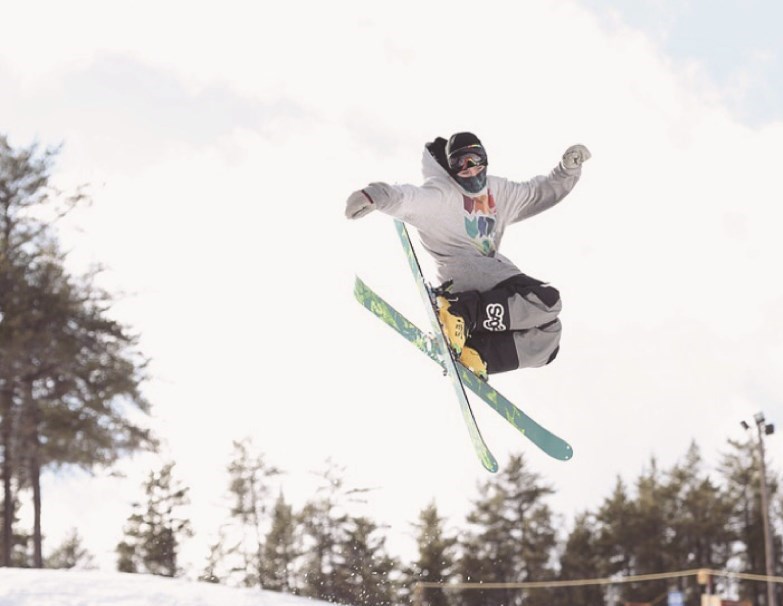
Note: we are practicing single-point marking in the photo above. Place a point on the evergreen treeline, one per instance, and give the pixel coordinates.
(69, 375)
(681, 518)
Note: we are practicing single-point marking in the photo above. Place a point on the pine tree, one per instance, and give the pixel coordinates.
(217, 552)
(615, 539)
(20, 541)
(130, 557)
(740, 469)
(27, 201)
(250, 491)
(678, 519)
(633, 535)
(155, 529)
(512, 536)
(701, 516)
(63, 364)
(280, 551)
(652, 532)
(365, 572)
(71, 554)
(580, 560)
(436, 556)
(72, 371)
(324, 529)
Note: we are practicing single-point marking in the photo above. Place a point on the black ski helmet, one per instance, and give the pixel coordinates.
(460, 146)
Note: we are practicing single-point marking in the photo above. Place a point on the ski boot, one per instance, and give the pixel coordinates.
(471, 359)
(453, 325)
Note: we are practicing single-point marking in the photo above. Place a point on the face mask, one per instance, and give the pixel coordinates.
(473, 183)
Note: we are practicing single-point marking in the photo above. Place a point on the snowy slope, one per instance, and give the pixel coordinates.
(24, 587)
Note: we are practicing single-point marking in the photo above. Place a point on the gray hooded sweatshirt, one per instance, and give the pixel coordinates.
(463, 231)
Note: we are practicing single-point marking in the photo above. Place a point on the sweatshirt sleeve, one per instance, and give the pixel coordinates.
(540, 193)
(417, 206)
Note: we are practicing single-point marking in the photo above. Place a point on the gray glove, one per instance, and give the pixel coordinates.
(364, 201)
(358, 205)
(575, 156)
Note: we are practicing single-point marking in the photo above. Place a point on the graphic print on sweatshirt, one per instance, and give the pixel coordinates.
(480, 221)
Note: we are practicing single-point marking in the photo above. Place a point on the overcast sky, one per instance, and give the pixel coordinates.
(221, 141)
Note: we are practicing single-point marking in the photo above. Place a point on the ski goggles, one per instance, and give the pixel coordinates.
(460, 162)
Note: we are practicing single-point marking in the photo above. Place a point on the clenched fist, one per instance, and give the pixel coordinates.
(575, 156)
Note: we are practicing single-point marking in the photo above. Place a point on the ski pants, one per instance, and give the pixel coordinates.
(513, 325)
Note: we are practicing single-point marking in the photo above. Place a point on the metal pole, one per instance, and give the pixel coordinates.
(418, 595)
(765, 515)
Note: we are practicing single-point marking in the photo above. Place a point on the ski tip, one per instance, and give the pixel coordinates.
(567, 454)
(491, 465)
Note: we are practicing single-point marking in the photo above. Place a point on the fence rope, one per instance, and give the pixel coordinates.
(603, 581)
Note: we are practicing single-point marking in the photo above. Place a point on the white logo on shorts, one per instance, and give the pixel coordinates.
(494, 319)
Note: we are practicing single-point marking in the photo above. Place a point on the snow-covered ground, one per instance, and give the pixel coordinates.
(25, 587)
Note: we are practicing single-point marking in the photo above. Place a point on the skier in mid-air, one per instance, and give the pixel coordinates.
(495, 317)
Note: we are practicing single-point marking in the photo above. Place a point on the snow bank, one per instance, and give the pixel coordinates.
(25, 587)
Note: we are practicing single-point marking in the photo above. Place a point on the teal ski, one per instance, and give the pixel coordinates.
(449, 362)
(547, 441)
